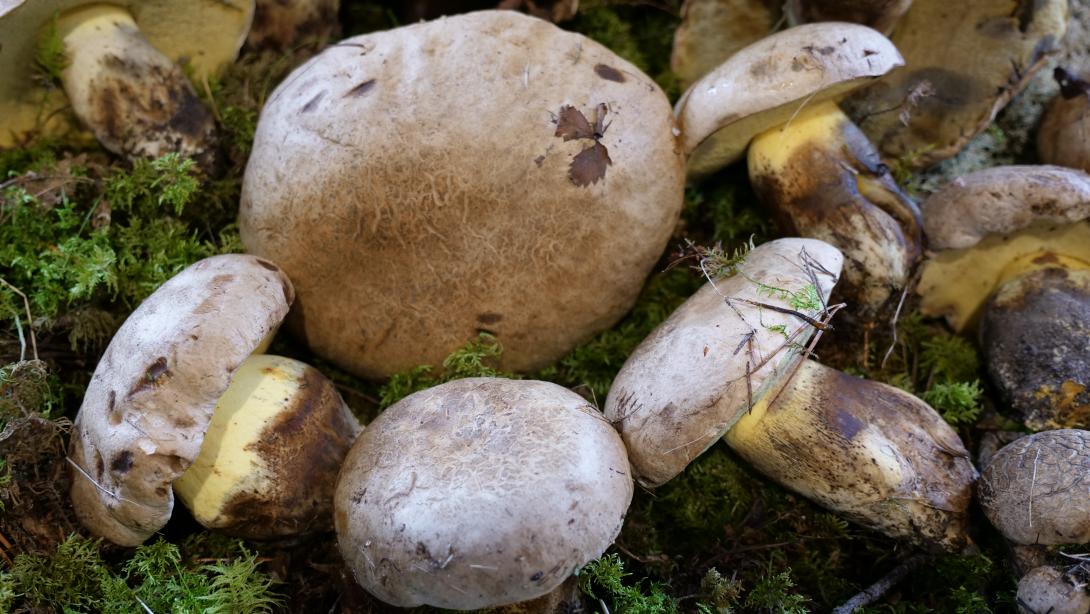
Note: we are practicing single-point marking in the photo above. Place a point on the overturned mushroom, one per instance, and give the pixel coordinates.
(727, 362)
(807, 160)
(121, 78)
(414, 208)
(1011, 250)
(963, 62)
(479, 493)
(177, 384)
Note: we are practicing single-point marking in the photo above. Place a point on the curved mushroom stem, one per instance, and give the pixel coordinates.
(137, 101)
(872, 452)
(824, 180)
(1035, 333)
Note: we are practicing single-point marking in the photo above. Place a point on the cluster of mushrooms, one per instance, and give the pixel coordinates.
(412, 188)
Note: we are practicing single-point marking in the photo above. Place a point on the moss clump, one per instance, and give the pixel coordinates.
(604, 579)
(478, 358)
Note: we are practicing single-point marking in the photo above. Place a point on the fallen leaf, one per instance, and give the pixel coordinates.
(572, 124)
(590, 165)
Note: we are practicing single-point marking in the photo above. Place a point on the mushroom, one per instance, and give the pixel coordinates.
(1064, 134)
(807, 161)
(281, 24)
(729, 362)
(177, 387)
(480, 492)
(713, 30)
(881, 15)
(1011, 250)
(1034, 490)
(1047, 589)
(963, 62)
(414, 207)
(121, 79)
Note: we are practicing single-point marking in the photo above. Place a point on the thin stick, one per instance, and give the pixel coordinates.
(29, 318)
(875, 591)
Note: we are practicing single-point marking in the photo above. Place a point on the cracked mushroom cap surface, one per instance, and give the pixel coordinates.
(698, 372)
(484, 172)
(765, 84)
(1035, 490)
(206, 34)
(988, 226)
(151, 398)
(479, 493)
(963, 62)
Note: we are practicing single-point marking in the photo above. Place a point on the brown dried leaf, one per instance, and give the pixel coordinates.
(590, 165)
(572, 124)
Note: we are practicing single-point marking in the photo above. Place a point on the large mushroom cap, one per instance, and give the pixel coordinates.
(205, 33)
(765, 84)
(481, 172)
(696, 374)
(145, 412)
(713, 30)
(1035, 489)
(479, 493)
(980, 224)
(963, 62)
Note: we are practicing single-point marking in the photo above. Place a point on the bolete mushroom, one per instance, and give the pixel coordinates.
(480, 492)
(1047, 589)
(121, 79)
(881, 15)
(414, 207)
(713, 30)
(280, 24)
(729, 362)
(963, 62)
(1011, 250)
(1063, 138)
(177, 387)
(807, 161)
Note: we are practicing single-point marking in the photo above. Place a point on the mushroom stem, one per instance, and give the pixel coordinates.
(877, 454)
(137, 102)
(824, 180)
(271, 454)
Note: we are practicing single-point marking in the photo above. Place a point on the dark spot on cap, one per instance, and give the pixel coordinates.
(100, 465)
(539, 160)
(266, 264)
(848, 424)
(360, 89)
(183, 421)
(539, 575)
(489, 318)
(312, 103)
(608, 73)
(155, 373)
(826, 50)
(122, 462)
(1046, 258)
(115, 416)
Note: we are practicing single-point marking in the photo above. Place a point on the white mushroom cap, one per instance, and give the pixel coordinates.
(696, 374)
(205, 33)
(765, 84)
(480, 492)
(151, 398)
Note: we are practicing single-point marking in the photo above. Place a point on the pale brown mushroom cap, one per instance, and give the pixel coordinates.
(765, 84)
(151, 397)
(978, 224)
(417, 187)
(1036, 490)
(480, 492)
(1063, 138)
(713, 30)
(1047, 589)
(881, 15)
(205, 33)
(963, 62)
(687, 384)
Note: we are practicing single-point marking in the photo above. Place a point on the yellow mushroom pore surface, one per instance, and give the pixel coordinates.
(262, 388)
(956, 283)
(772, 151)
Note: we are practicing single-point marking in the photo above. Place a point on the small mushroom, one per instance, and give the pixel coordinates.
(1011, 250)
(881, 15)
(121, 79)
(1049, 590)
(727, 362)
(713, 30)
(1064, 136)
(484, 172)
(479, 493)
(807, 161)
(1034, 490)
(178, 384)
(963, 62)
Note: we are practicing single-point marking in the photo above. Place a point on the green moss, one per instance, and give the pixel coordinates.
(604, 579)
(25, 388)
(774, 593)
(958, 402)
(50, 58)
(478, 358)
